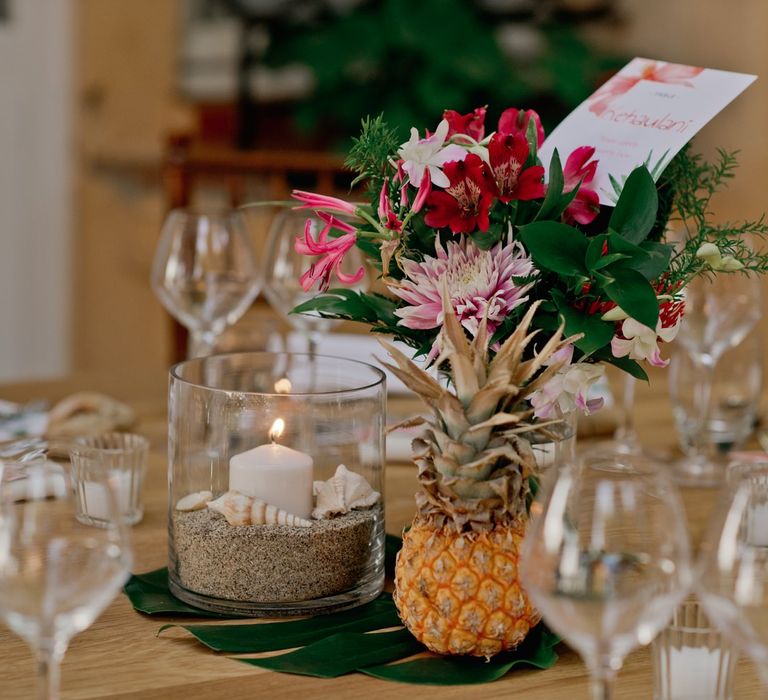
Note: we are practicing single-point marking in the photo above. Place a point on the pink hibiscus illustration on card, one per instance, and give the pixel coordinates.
(655, 71)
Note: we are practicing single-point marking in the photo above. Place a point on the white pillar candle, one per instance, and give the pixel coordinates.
(276, 474)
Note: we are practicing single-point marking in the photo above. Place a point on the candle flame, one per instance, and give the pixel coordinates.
(283, 386)
(277, 429)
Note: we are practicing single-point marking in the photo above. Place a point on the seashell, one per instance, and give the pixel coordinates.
(266, 514)
(194, 501)
(234, 506)
(343, 492)
(240, 509)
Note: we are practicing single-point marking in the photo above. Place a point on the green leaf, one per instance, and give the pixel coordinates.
(597, 333)
(635, 212)
(628, 366)
(537, 650)
(149, 594)
(343, 653)
(485, 240)
(632, 292)
(549, 207)
(556, 247)
(270, 636)
(659, 255)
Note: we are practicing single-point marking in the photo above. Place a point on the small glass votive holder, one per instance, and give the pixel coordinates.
(122, 458)
(691, 659)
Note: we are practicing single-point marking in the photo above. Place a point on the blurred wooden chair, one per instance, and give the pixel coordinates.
(190, 165)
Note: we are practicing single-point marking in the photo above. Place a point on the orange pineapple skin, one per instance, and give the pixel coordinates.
(460, 593)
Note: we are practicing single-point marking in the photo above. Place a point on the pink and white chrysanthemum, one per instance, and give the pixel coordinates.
(480, 283)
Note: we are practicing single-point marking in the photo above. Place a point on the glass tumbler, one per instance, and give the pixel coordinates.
(276, 483)
(122, 459)
(691, 659)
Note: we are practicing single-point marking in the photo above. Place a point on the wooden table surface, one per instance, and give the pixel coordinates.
(120, 655)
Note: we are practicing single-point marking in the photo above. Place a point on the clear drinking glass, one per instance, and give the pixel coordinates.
(691, 659)
(284, 266)
(205, 272)
(734, 398)
(719, 314)
(56, 574)
(606, 558)
(120, 458)
(733, 576)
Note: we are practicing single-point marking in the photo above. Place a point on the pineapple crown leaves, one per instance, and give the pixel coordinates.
(488, 394)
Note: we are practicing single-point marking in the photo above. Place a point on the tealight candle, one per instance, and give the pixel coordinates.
(95, 496)
(276, 474)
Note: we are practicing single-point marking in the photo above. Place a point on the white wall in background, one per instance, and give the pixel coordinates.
(36, 89)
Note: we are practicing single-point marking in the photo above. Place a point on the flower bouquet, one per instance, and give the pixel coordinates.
(519, 287)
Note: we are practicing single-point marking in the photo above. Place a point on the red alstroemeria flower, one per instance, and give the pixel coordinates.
(464, 205)
(508, 153)
(332, 251)
(581, 168)
(472, 124)
(515, 121)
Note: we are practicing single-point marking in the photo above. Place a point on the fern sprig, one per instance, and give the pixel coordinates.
(370, 152)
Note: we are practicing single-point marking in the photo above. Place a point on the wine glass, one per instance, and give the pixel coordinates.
(606, 558)
(205, 272)
(56, 574)
(733, 566)
(719, 314)
(284, 266)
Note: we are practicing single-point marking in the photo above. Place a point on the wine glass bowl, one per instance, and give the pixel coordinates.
(719, 314)
(205, 272)
(284, 267)
(56, 574)
(606, 558)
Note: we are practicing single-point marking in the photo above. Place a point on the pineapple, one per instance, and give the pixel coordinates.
(456, 578)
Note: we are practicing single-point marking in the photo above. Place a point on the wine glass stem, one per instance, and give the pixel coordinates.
(200, 343)
(625, 435)
(49, 658)
(702, 399)
(602, 680)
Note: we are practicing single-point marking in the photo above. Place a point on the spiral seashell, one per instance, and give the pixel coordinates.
(344, 491)
(239, 509)
(194, 501)
(265, 514)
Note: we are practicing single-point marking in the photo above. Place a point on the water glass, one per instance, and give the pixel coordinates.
(121, 459)
(56, 575)
(734, 397)
(606, 558)
(691, 659)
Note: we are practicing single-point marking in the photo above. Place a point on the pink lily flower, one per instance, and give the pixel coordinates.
(581, 168)
(332, 251)
(310, 200)
(386, 215)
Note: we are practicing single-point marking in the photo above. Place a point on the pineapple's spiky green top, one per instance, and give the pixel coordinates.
(473, 457)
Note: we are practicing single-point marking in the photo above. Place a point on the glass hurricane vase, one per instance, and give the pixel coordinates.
(276, 487)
